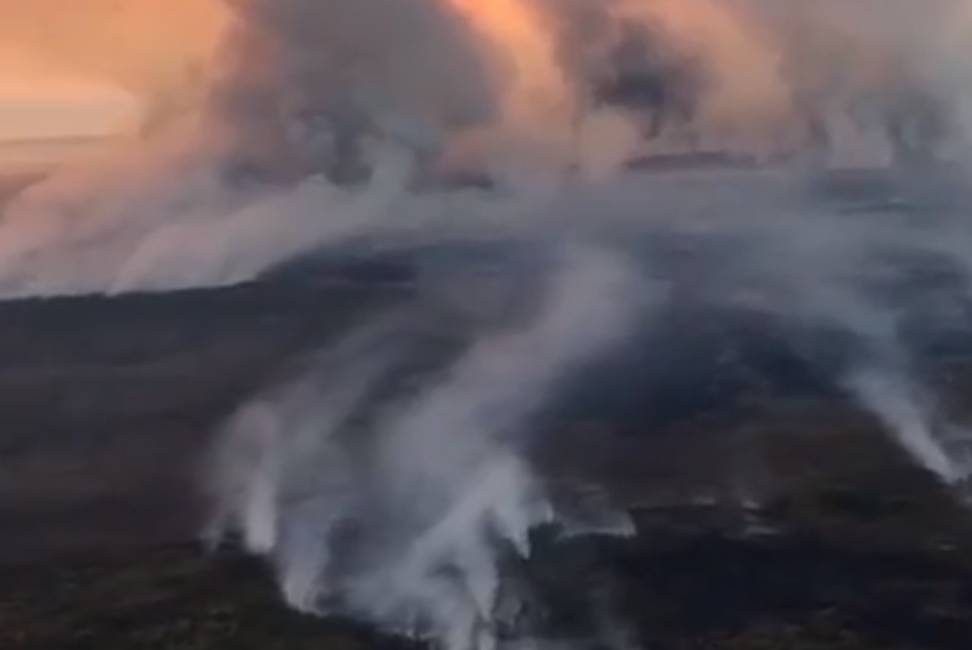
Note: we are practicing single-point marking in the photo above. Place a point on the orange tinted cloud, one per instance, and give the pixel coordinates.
(132, 42)
(523, 43)
(149, 48)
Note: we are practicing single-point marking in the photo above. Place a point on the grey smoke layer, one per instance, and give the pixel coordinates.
(333, 124)
(323, 118)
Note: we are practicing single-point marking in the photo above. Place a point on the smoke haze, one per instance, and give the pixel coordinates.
(433, 490)
(301, 94)
(306, 128)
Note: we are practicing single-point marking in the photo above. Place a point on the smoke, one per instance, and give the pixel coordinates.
(307, 83)
(305, 99)
(401, 516)
(319, 124)
(890, 397)
(402, 505)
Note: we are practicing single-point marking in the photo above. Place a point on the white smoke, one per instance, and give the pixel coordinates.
(330, 121)
(903, 412)
(433, 490)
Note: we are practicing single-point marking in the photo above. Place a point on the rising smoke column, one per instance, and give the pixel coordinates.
(311, 80)
(403, 523)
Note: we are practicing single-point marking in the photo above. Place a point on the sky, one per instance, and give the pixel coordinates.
(88, 68)
(54, 109)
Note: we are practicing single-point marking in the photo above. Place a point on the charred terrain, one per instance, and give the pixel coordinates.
(770, 511)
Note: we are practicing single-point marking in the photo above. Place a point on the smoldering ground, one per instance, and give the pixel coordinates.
(336, 131)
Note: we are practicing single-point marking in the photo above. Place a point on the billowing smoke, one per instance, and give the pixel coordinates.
(305, 105)
(528, 125)
(307, 84)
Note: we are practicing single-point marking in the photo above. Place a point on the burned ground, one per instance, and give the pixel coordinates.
(771, 513)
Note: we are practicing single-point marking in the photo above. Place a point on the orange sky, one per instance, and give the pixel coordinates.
(522, 40)
(84, 67)
(58, 109)
(87, 67)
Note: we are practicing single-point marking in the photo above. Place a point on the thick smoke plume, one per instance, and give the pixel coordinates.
(524, 124)
(304, 104)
